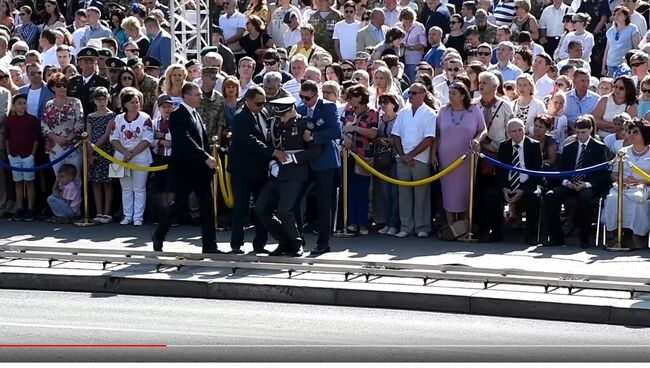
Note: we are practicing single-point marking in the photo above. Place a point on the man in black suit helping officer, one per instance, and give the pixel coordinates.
(193, 167)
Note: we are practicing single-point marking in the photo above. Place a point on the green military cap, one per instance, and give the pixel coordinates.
(208, 70)
(107, 53)
(362, 55)
(151, 62)
(208, 49)
(17, 60)
(282, 105)
(88, 52)
(133, 61)
(115, 63)
(192, 63)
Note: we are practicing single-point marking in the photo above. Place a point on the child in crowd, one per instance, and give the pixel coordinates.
(97, 126)
(22, 132)
(605, 86)
(162, 151)
(66, 197)
(555, 109)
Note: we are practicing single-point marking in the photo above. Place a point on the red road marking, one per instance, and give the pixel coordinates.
(81, 346)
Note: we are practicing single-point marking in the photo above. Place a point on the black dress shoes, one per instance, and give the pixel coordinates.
(236, 250)
(321, 249)
(157, 244)
(211, 251)
(294, 253)
(260, 251)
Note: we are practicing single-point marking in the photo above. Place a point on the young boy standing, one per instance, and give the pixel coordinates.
(22, 132)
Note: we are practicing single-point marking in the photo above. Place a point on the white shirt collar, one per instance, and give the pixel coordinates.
(188, 107)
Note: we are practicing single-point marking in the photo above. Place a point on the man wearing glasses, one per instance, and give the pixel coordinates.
(250, 154)
(271, 64)
(37, 92)
(326, 130)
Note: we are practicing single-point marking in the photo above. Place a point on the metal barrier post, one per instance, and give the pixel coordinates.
(85, 222)
(345, 233)
(215, 184)
(618, 247)
(469, 237)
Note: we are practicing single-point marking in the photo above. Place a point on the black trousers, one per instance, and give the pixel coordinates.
(530, 203)
(584, 210)
(202, 187)
(488, 204)
(551, 44)
(323, 182)
(280, 195)
(242, 189)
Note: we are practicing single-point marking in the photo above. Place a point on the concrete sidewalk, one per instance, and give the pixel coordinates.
(327, 288)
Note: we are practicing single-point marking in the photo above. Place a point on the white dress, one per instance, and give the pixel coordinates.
(611, 110)
(636, 207)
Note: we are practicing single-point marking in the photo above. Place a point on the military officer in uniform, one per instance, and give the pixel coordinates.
(323, 22)
(82, 86)
(114, 65)
(152, 66)
(147, 84)
(104, 55)
(290, 133)
(212, 108)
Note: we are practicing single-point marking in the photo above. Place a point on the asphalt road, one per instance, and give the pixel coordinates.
(222, 330)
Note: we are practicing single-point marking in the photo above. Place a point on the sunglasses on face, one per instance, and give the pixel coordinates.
(645, 90)
(455, 69)
(634, 132)
(414, 93)
(509, 88)
(636, 65)
(347, 70)
(306, 98)
(453, 22)
(60, 85)
(349, 12)
(270, 62)
(620, 88)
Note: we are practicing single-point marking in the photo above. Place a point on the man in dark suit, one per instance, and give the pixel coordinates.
(585, 151)
(326, 130)
(81, 86)
(161, 42)
(193, 167)
(249, 156)
(289, 133)
(523, 152)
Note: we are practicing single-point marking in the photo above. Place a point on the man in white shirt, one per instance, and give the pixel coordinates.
(468, 11)
(298, 68)
(543, 83)
(551, 26)
(345, 43)
(635, 18)
(277, 27)
(46, 42)
(233, 23)
(391, 13)
(414, 131)
(5, 55)
(453, 67)
(246, 69)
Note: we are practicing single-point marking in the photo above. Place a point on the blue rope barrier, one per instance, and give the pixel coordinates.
(548, 174)
(41, 167)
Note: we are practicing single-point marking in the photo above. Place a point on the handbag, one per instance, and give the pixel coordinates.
(383, 154)
(118, 171)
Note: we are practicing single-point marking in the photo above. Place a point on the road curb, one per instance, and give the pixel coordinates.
(435, 299)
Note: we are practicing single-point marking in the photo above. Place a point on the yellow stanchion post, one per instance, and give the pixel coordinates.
(215, 184)
(469, 237)
(84, 151)
(345, 233)
(618, 247)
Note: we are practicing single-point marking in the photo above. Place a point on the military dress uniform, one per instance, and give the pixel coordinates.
(83, 91)
(324, 29)
(286, 180)
(152, 66)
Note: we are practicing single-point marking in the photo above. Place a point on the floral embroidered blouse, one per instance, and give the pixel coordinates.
(131, 133)
(361, 145)
(61, 120)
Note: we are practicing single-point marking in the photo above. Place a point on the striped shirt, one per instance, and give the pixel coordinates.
(504, 13)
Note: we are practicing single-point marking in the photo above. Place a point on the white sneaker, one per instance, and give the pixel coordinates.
(422, 234)
(105, 219)
(98, 219)
(392, 231)
(383, 230)
(402, 234)
(125, 221)
(137, 223)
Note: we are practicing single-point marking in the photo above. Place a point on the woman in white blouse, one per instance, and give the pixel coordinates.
(131, 137)
(580, 22)
(526, 107)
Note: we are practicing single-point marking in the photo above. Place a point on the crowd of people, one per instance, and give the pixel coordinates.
(406, 86)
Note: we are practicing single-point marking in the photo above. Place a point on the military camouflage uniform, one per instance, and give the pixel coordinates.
(489, 34)
(149, 89)
(324, 29)
(212, 111)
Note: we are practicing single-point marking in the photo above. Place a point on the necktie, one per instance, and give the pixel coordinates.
(310, 112)
(513, 177)
(258, 124)
(580, 161)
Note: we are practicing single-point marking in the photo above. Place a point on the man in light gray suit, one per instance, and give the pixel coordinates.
(372, 34)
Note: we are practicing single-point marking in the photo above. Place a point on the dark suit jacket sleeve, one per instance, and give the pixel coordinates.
(599, 179)
(312, 151)
(243, 136)
(331, 129)
(504, 156)
(183, 142)
(533, 157)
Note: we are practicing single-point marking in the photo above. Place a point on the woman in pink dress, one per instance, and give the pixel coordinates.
(459, 124)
